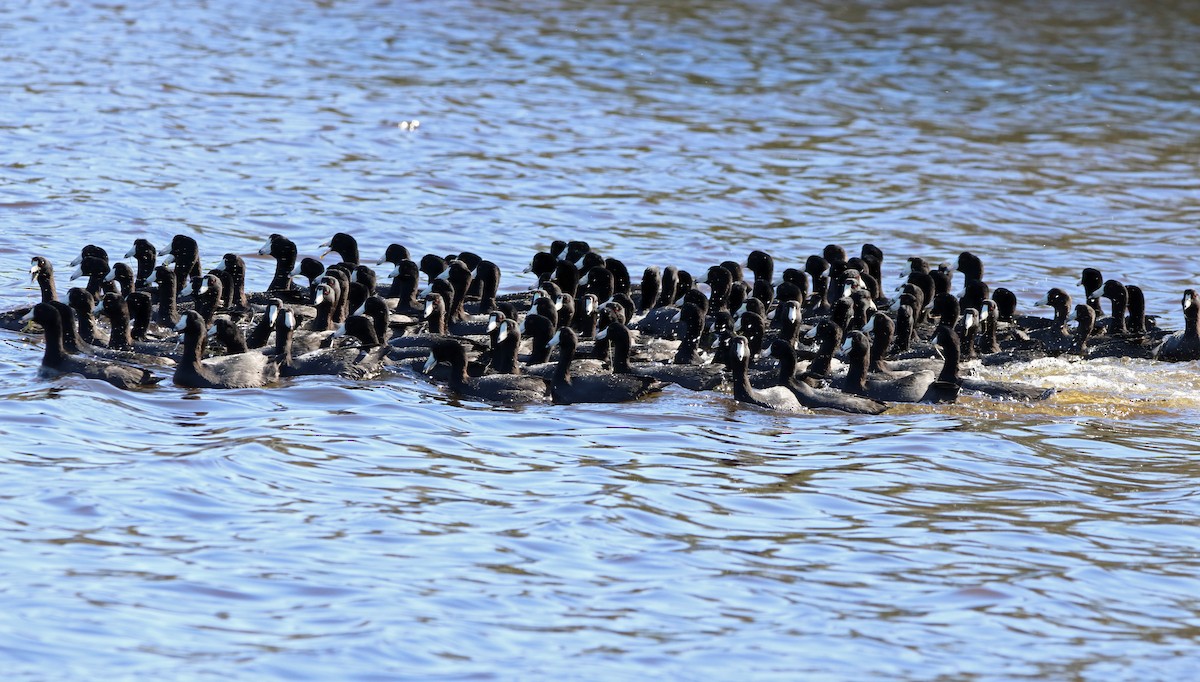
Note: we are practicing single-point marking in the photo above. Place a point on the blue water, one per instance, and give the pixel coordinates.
(329, 529)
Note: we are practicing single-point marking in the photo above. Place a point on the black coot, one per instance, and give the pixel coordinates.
(225, 332)
(56, 361)
(593, 388)
(145, 255)
(910, 388)
(774, 398)
(693, 377)
(361, 361)
(497, 388)
(245, 370)
(1183, 346)
(185, 254)
(816, 398)
(344, 245)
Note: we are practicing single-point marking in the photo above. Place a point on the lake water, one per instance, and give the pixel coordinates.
(380, 531)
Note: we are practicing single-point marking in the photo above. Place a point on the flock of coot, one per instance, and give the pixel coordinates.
(826, 335)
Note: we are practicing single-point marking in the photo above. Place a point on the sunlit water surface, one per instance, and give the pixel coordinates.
(366, 531)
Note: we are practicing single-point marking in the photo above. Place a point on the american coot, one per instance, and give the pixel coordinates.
(207, 292)
(988, 325)
(692, 377)
(1118, 295)
(1183, 346)
(166, 312)
(774, 398)
(690, 320)
(120, 334)
(89, 251)
(621, 281)
(828, 336)
(497, 388)
(354, 362)
(1092, 282)
(910, 388)
(487, 275)
(41, 272)
(310, 269)
(338, 278)
(229, 335)
(593, 388)
(587, 315)
(540, 333)
(882, 331)
(284, 251)
(121, 276)
(375, 308)
(406, 282)
(505, 344)
(56, 361)
(542, 266)
(344, 245)
(816, 398)
(244, 370)
(83, 303)
(96, 270)
(649, 289)
(185, 254)
(236, 296)
(145, 255)
(260, 331)
(1052, 334)
(945, 389)
(75, 344)
(394, 254)
(141, 309)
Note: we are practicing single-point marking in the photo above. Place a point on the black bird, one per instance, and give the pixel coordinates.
(185, 254)
(911, 388)
(244, 370)
(406, 283)
(284, 251)
(56, 361)
(235, 295)
(1092, 282)
(778, 398)
(145, 255)
(361, 361)
(651, 286)
(692, 377)
(1183, 346)
(166, 314)
(121, 275)
(96, 270)
(496, 388)
(42, 272)
(394, 254)
(593, 388)
(225, 332)
(260, 331)
(344, 245)
(83, 303)
(816, 398)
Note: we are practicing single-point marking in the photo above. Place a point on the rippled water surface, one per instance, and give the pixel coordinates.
(337, 530)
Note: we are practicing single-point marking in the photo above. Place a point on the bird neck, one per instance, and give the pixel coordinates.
(54, 352)
(46, 284)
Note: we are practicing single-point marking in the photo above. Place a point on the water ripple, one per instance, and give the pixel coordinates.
(329, 529)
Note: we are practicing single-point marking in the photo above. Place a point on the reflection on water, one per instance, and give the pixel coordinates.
(329, 529)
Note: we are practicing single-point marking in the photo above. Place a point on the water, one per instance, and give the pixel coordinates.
(336, 530)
